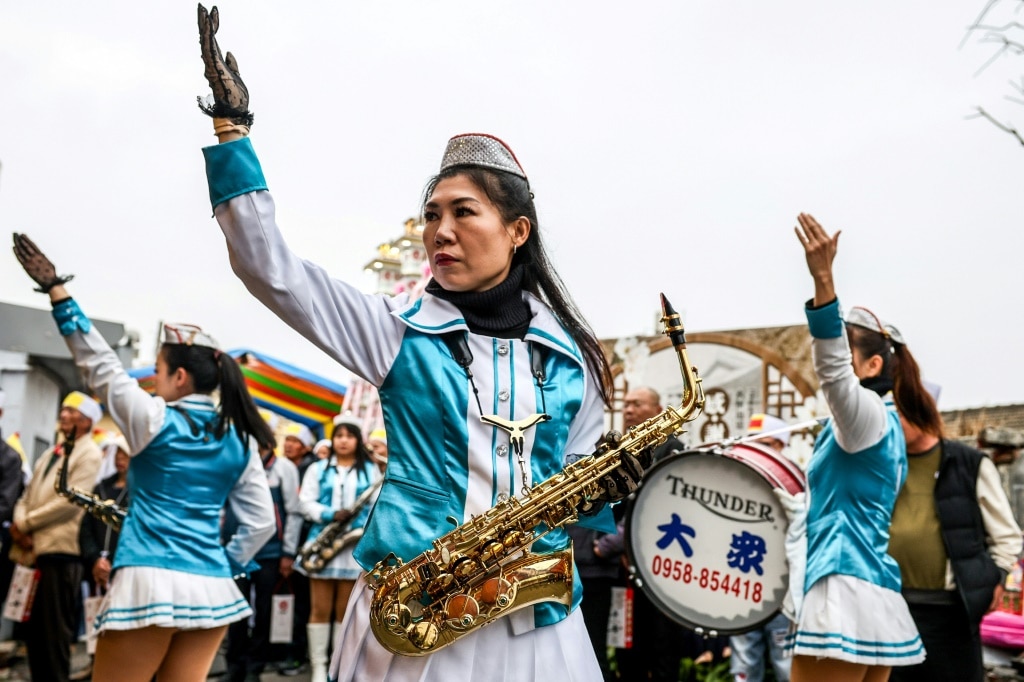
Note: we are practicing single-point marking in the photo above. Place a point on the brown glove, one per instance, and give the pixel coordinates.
(230, 96)
(37, 265)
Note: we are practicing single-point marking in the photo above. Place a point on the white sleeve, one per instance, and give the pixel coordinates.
(355, 329)
(309, 495)
(859, 415)
(1003, 534)
(292, 507)
(139, 415)
(253, 507)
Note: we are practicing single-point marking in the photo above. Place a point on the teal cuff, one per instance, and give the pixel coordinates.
(238, 571)
(232, 169)
(825, 322)
(70, 318)
(603, 521)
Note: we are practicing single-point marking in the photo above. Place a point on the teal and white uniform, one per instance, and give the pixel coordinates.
(170, 569)
(852, 607)
(327, 488)
(444, 464)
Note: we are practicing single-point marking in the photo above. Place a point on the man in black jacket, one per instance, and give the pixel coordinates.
(12, 482)
(955, 538)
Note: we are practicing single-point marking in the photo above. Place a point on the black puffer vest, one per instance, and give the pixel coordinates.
(963, 529)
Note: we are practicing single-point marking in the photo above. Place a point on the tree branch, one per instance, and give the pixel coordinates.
(1002, 126)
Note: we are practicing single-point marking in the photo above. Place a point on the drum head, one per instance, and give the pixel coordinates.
(706, 537)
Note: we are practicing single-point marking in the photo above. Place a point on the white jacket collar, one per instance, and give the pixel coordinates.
(432, 315)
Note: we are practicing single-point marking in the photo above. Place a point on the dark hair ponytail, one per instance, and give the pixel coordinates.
(914, 402)
(211, 369)
(912, 399)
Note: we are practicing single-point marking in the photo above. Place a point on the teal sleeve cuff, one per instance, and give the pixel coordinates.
(70, 318)
(239, 571)
(603, 521)
(825, 322)
(232, 169)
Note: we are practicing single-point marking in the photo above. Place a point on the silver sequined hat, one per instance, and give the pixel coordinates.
(188, 335)
(480, 149)
(862, 317)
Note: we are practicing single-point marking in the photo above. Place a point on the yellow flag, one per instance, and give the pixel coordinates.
(14, 440)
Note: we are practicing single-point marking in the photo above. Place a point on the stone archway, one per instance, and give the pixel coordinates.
(741, 376)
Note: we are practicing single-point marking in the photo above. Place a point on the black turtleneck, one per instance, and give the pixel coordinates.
(880, 385)
(500, 311)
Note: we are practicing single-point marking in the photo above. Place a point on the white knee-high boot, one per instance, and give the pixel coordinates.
(319, 634)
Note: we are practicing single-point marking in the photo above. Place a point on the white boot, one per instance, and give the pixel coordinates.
(318, 634)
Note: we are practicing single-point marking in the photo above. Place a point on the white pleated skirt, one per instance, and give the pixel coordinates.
(140, 596)
(850, 619)
(556, 652)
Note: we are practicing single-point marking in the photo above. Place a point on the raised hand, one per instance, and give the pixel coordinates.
(37, 265)
(820, 251)
(230, 96)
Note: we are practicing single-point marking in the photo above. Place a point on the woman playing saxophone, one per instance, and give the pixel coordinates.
(487, 380)
(328, 496)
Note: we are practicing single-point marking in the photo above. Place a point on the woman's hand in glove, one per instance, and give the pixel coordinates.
(230, 96)
(37, 265)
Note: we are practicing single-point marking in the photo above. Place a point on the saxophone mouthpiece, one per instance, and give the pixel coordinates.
(673, 327)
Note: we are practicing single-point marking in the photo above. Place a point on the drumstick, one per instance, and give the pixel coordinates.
(810, 423)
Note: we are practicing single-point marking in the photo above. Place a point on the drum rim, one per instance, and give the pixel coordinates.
(637, 581)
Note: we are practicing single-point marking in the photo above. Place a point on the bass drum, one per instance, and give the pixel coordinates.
(706, 536)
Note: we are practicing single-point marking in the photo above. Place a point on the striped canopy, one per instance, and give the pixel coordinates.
(282, 388)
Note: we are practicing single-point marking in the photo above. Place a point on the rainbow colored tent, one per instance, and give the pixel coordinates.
(282, 388)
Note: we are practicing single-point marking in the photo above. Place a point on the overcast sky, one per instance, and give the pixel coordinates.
(670, 146)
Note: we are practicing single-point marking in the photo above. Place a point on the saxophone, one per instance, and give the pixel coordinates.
(107, 511)
(330, 541)
(484, 569)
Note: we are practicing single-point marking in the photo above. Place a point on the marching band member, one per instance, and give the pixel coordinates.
(853, 623)
(494, 335)
(328, 494)
(172, 594)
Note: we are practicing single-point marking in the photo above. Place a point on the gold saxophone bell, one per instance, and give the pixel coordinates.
(485, 569)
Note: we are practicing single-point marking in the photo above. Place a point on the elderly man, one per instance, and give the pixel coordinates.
(298, 446)
(45, 532)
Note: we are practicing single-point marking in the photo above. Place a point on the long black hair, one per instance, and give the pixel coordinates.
(211, 369)
(913, 401)
(512, 197)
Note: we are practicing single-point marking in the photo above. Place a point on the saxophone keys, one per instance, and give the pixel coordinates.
(513, 539)
(492, 551)
(461, 611)
(465, 568)
(397, 618)
(495, 591)
(424, 635)
(439, 586)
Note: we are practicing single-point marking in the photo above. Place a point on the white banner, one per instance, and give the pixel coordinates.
(282, 618)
